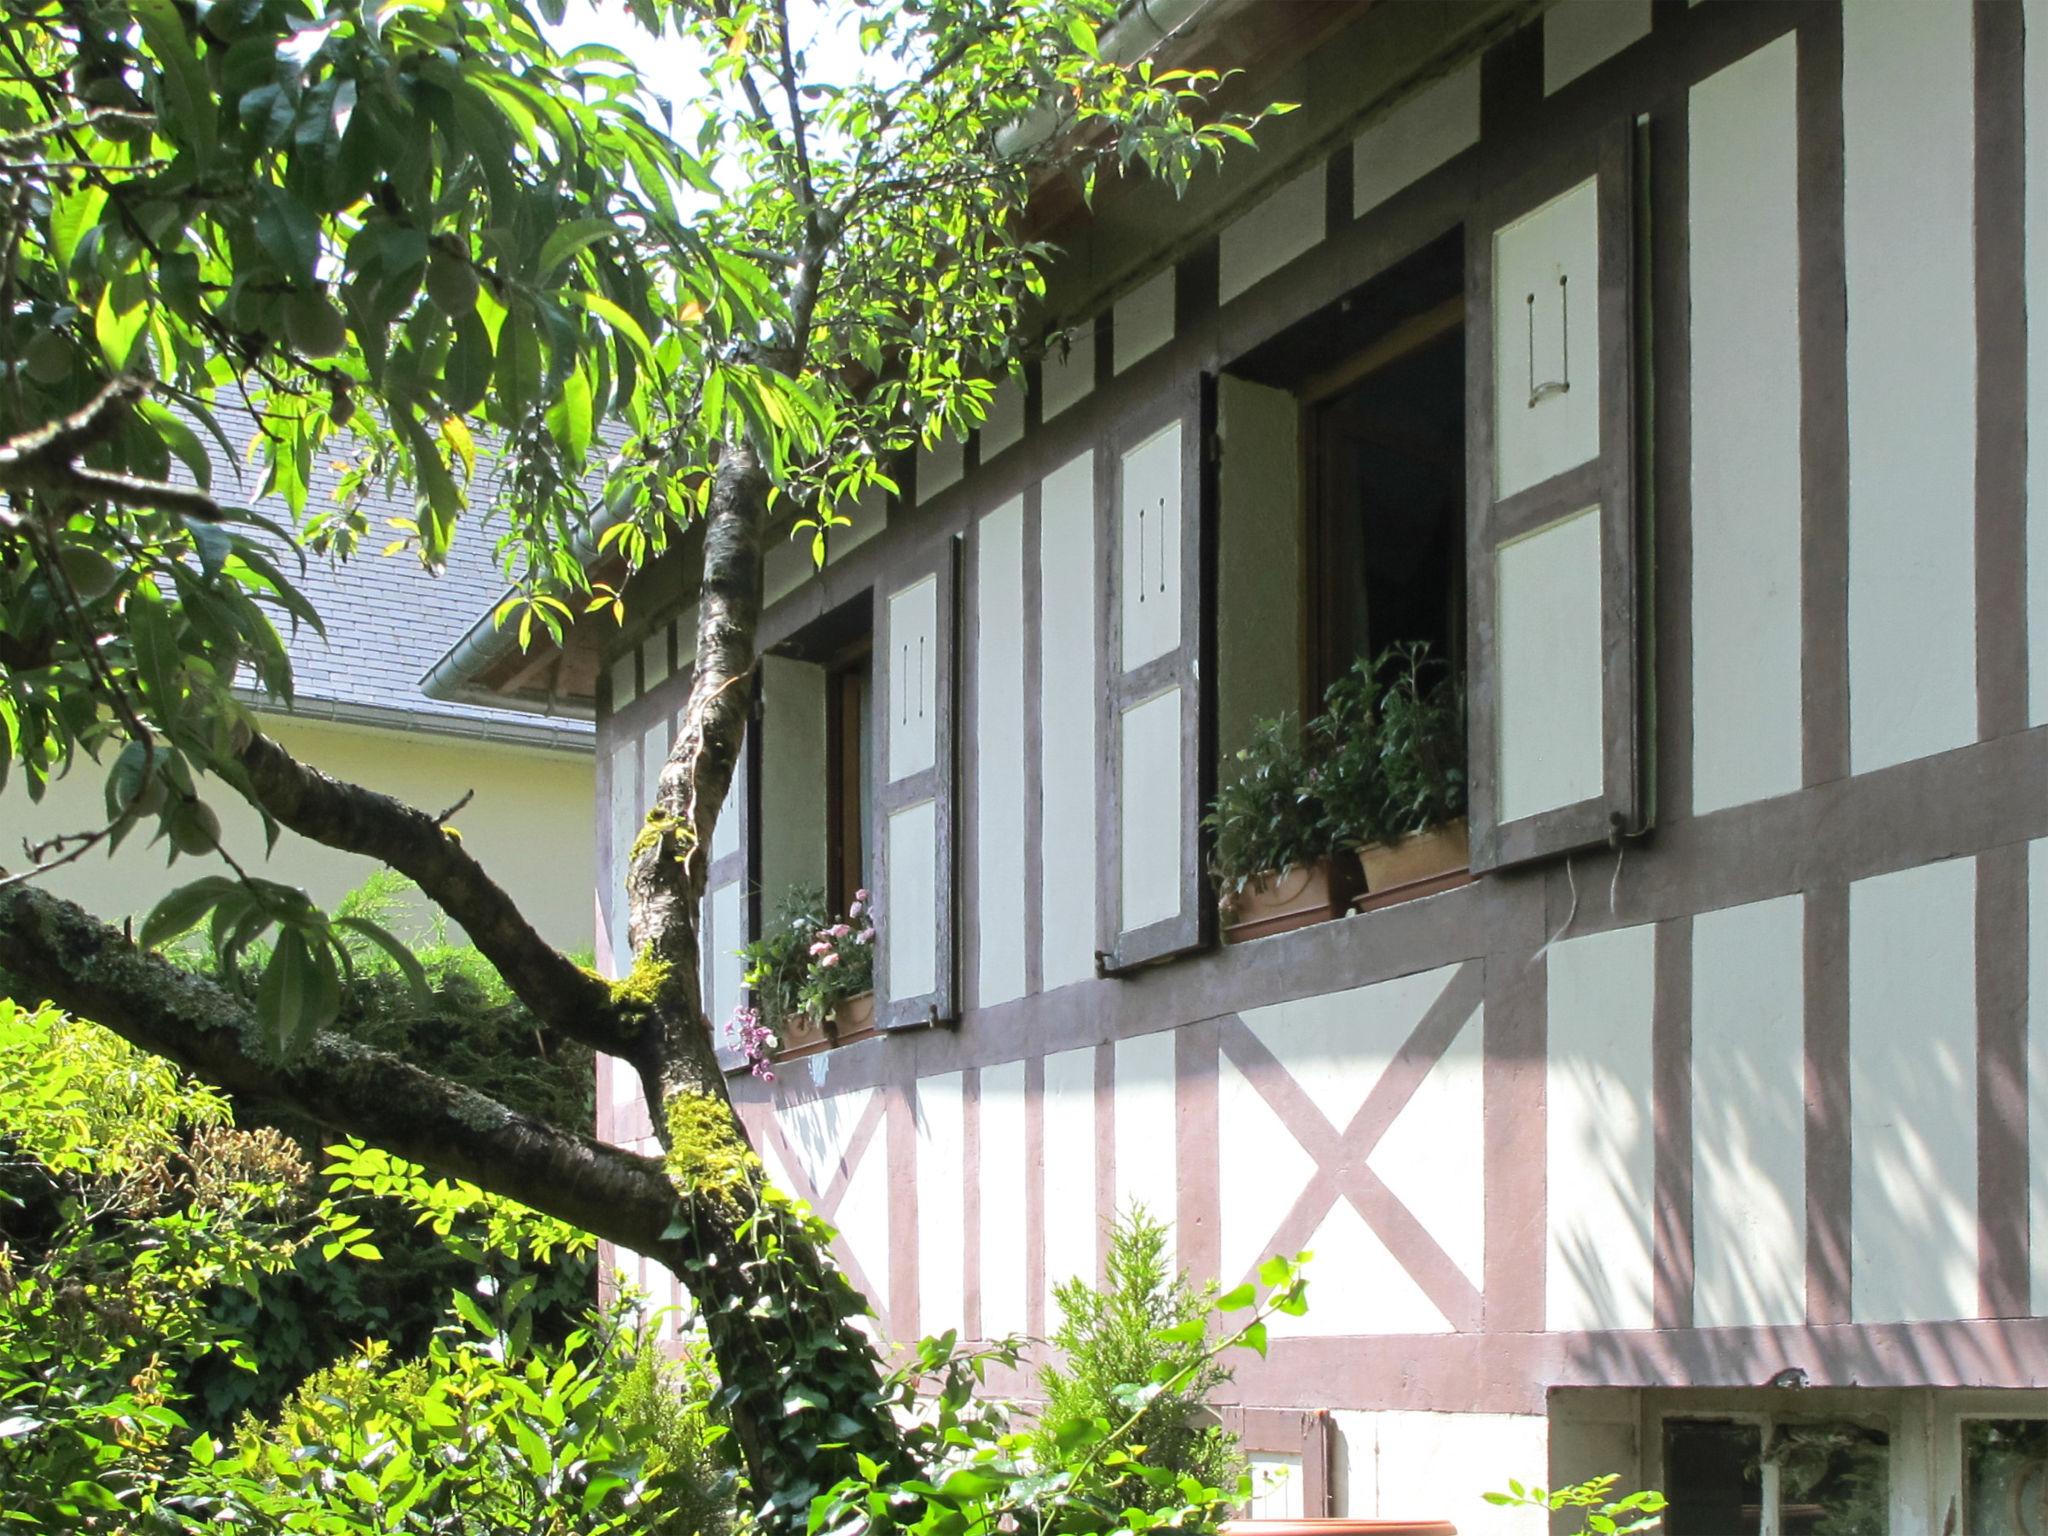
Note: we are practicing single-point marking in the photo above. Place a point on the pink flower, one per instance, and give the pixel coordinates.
(860, 896)
(867, 935)
(854, 910)
(820, 948)
(839, 930)
(829, 960)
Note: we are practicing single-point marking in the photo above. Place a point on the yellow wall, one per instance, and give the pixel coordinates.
(529, 823)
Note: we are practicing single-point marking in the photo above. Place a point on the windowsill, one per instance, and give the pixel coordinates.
(1411, 890)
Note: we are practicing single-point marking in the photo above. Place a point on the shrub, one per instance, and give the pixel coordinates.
(808, 961)
(1269, 816)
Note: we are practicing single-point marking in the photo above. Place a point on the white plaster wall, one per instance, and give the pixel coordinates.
(1433, 1156)
(2037, 1067)
(623, 820)
(939, 468)
(1151, 809)
(998, 753)
(1908, 144)
(910, 908)
(941, 1212)
(1599, 1132)
(1272, 233)
(1749, 1114)
(1066, 766)
(1258, 562)
(1438, 1466)
(1415, 138)
(1261, 1169)
(863, 1221)
(1003, 1258)
(2036, 90)
(1069, 1116)
(1578, 34)
(787, 564)
(1068, 373)
(1145, 1125)
(1143, 320)
(1743, 187)
(1004, 423)
(1913, 1094)
(1551, 709)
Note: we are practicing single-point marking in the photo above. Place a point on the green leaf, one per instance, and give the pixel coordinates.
(569, 421)
(287, 231)
(569, 239)
(1238, 1299)
(299, 993)
(192, 116)
(402, 957)
(183, 908)
(1255, 1338)
(71, 215)
(467, 373)
(117, 329)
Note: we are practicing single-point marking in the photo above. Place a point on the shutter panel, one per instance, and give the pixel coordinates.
(917, 641)
(1154, 500)
(732, 894)
(1553, 649)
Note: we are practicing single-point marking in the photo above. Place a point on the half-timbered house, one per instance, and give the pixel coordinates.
(1668, 365)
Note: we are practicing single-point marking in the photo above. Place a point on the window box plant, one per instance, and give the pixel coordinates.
(1392, 768)
(1273, 862)
(812, 974)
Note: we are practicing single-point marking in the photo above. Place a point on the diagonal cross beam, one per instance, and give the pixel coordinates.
(826, 1202)
(1340, 1156)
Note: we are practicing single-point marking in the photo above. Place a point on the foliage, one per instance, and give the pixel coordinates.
(127, 1197)
(808, 961)
(1269, 816)
(1420, 738)
(487, 1432)
(1087, 1472)
(1125, 1333)
(1605, 1515)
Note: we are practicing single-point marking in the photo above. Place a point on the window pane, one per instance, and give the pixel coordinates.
(2005, 1477)
(1713, 1478)
(1833, 1479)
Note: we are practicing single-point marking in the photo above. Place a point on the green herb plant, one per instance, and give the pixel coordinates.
(1269, 817)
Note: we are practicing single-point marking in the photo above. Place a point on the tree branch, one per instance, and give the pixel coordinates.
(60, 952)
(341, 815)
(46, 460)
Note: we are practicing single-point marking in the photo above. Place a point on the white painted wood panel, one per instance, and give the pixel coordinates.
(1150, 810)
(1145, 1134)
(1069, 1116)
(1433, 1157)
(1004, 424)
(1276, 1479)
(1913, 1094)
(1547, 634)
(1743, 187)
(1415, 138)
(624, 685)
(1143, 320)
(1067, 770)
(654, 660)
(939, 468)
(1908, 228)
(1272, 233)
(1578, 34)
(2037, 1067)
(723, 963)
(1148, 547)
(2036, 92)
(1003, 1258)
(1399, 1465)
(910, 914)
(1749, 1114)
(1068, 373)
(998, 755)
(941, 1211)
(1599, 1132)
(1546, 335)
(913, 677)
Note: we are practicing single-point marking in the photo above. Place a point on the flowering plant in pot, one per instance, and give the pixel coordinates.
(1270, 851)
(1391, 744)
(812, 975)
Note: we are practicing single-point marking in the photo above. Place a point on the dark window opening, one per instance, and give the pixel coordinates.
(1795, 1478)
(847, 779)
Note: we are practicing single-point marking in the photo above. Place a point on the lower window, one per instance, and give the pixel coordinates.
(1771, 1477)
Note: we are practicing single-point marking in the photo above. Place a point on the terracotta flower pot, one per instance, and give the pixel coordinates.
(1330, 1527)
(1290, 898)
(799, 1033)
(854, 1017)
(1415, 857)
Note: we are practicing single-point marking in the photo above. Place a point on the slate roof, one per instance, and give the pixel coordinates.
(388, 620)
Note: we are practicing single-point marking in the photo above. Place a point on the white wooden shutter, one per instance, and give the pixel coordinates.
(1153, 500)
(731, 915)
(917, 630)
(1552, 669)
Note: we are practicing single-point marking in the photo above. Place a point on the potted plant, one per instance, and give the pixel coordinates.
(1392, 742)
(812, 975)
(1270, 849)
